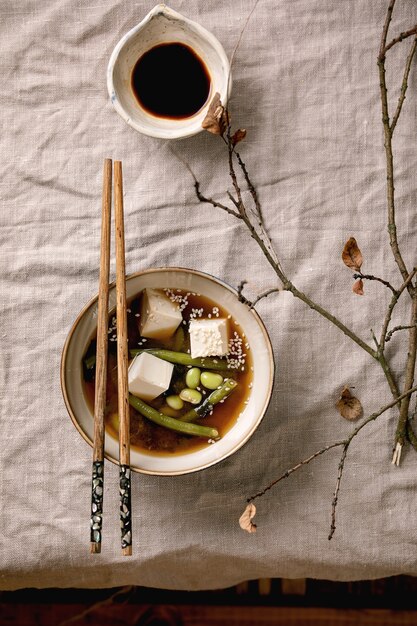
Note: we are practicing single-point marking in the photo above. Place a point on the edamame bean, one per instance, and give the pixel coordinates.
(210, 380)
(174, 402)
(191, 395)
(167, 410)
(192, 379)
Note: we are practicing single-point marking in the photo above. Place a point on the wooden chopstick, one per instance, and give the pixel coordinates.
(122, 364)
(101, 365)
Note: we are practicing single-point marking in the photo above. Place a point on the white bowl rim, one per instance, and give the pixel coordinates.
(184, 132)
(268, 396)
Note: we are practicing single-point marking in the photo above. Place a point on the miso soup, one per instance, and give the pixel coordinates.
(236, 365)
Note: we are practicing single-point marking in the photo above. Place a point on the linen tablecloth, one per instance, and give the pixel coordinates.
(306, 89)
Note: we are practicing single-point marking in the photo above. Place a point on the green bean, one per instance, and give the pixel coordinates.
(182, 358)
(214, 398)
(192, 378)
(170, 422)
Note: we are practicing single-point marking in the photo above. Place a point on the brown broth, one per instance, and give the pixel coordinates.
(147, 436)
(171, 81)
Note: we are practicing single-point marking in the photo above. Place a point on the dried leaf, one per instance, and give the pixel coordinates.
(358, 287)
(216, 119)
(351, 255)
(238, 136)
(348, 406)
(245, 520)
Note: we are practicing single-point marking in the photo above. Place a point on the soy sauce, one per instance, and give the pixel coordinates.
(171, 81)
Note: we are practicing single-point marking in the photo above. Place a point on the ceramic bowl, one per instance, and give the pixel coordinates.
(164, 25)
(263, 375)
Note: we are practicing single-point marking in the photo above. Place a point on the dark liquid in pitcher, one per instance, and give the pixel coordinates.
(171, 81)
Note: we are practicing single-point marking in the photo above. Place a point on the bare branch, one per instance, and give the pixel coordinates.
(264, 294)
(395, 329)
(371, 277)
(375, 340)
(213, 202)
(232, 58)
(252, 189)
(401, 432)
(404, 86)
(337, 489)
(388, 18)
(233, 199)
(401, 37)
(251, 304)
(290, 471)
(391, 307)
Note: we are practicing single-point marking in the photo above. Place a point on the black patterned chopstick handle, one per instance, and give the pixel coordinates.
(125, 508)
(96, 522)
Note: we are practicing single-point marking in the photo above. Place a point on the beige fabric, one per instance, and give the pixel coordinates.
(306, 89)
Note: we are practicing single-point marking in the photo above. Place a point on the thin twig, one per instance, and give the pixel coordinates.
(200, 196)
(371, 277)
(232, 58)
(240, 205)
(391, 307)
(233, 199)
(404, 85)
(293, 469)
(264, 294)
(388, 18)
(401, 37)
(337, 489)
(401, 432)
(395, 329)
(375, 340)
(251, 304)
(252, 189)
(214, 203)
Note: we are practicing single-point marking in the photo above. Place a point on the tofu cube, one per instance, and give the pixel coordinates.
(209, 337)
(160, 317)
(149, 376)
